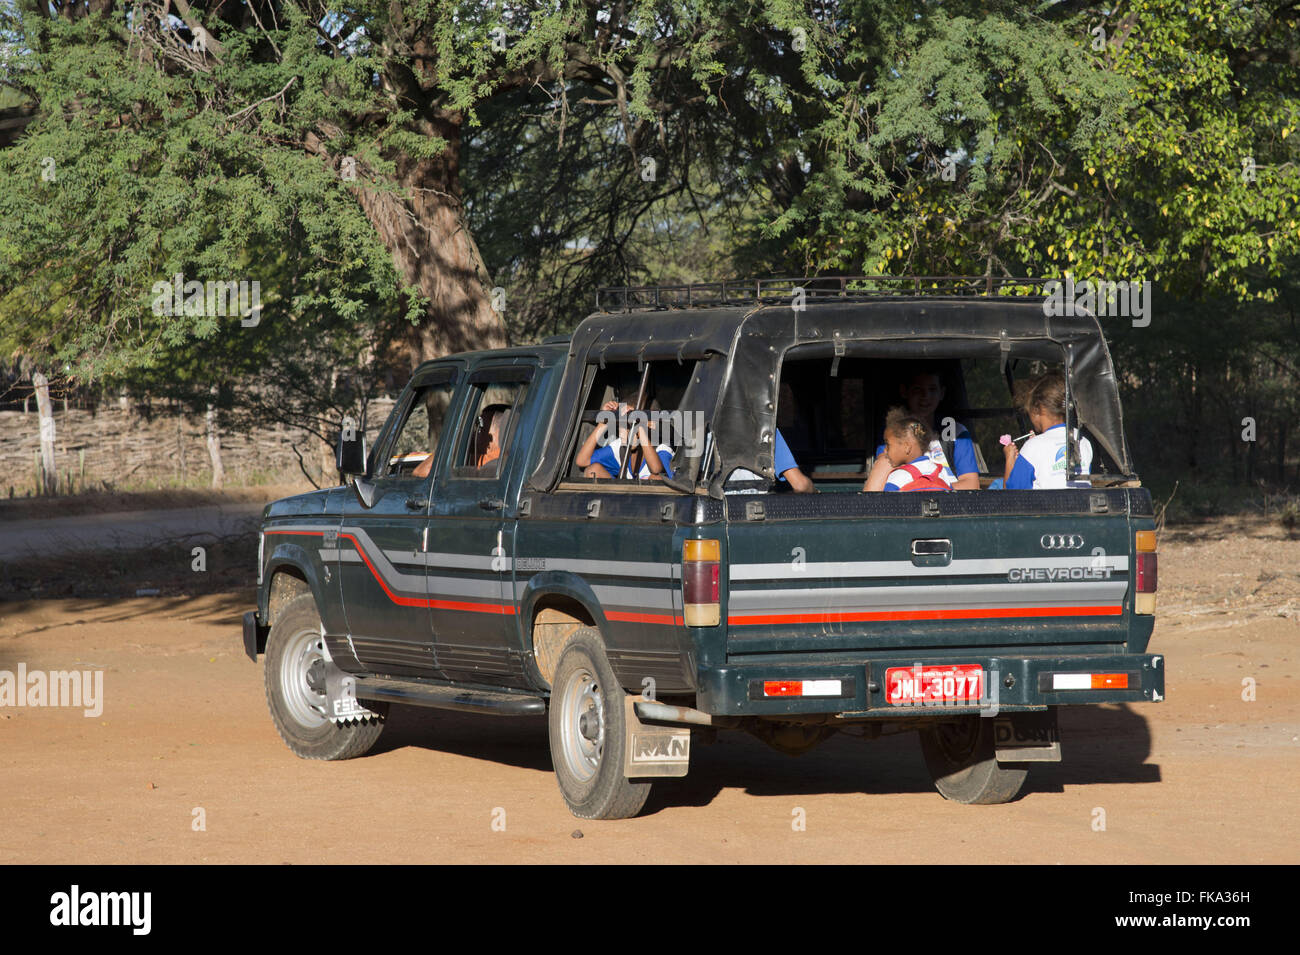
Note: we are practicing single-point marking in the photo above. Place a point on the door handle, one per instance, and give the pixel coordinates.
(932, 553)
(491, 503)
(414, 504)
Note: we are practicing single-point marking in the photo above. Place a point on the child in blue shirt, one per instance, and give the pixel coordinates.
(1041, 463)
(785, 466)
(603, 462)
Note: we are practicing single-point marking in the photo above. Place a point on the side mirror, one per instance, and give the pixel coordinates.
(350, 452)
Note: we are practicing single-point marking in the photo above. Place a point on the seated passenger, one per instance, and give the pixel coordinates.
(487, 440)
(785, 466)
(493, 422)
(911, 467)
(923, 393)
(646, 463)
(1041, 463)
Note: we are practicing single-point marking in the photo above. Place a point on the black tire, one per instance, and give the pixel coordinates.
(587, 702)
(960, 756)
(297, 709)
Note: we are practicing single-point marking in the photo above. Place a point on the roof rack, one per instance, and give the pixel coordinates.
(821, 288)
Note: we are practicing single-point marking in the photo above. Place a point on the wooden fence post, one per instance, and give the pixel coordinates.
(48, 477)
(214, 442)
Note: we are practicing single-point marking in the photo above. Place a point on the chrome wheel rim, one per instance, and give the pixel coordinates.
(306, 704)
(582, 725)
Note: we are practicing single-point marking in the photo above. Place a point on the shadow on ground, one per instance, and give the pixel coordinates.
(1101, 744)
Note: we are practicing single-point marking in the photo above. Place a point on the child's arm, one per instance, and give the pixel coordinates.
(583, 458)
(648, 453)
(799, 482)
(879, 473)
(1011, 452)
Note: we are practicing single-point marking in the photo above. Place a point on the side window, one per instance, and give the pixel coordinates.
(660, 387)
(486, 438)
(415, 446)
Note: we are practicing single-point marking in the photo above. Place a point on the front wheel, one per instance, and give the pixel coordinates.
(296, 667)
(960, 756)
(588, 732)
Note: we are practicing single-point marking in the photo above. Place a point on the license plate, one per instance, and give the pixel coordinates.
(921, 685)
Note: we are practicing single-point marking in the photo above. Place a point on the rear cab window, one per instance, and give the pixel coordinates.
(659, 391)
(831, 412)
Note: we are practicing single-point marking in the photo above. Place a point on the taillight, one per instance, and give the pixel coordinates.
(1088, 681)
(700, 591)
(1144, 572)
(803, 687)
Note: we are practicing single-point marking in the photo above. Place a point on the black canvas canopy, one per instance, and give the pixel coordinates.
(738, 392)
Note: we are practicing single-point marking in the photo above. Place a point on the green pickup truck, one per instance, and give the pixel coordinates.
(473, 562)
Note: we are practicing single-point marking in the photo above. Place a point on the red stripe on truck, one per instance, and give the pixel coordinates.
(970, 614)
(465, 605)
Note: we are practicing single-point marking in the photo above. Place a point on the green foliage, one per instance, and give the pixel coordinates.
(133, 174)
(1120, 162)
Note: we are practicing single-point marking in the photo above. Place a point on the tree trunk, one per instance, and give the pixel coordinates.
(1250, 454)
(214, 444)
(48, 477)
(433, 249)
(327, 460)
(1282, 430)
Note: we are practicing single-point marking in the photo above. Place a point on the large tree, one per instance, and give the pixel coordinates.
(181, 138)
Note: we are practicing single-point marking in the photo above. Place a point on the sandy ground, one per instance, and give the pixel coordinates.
(1204, 777)
(128, 530)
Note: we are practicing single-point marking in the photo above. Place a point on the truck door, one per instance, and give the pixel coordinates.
(471, 531)
(381, 548)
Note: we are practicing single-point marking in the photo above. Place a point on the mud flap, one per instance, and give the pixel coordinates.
(1027, 737)
(653, 750)
(341, 691)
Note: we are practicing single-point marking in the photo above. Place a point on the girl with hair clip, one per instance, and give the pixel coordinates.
(911, 467)
(924, 394)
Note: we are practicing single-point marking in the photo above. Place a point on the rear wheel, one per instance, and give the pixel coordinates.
(960, 756)
(296, 668)
(588, 733)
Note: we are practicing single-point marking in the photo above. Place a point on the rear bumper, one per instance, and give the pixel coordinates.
(1011, 684)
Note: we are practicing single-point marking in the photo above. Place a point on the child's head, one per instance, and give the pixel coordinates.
(906, 436)
(923, 392)
(1044, 401)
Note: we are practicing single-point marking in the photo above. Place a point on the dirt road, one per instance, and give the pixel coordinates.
(1203, 777)
(127, 530)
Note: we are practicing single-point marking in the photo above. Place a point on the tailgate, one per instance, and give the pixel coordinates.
(983, 569)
